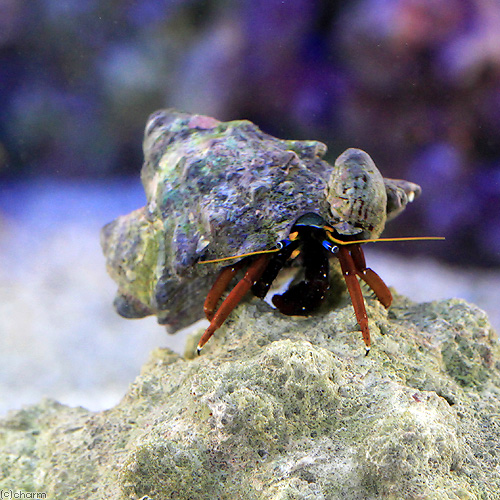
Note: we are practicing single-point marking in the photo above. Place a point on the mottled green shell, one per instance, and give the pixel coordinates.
(356, 194)
(216, 189)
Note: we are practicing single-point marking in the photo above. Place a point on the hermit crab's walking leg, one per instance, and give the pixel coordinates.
(219, 287)
(349, 271)
(370, 277)
(235, 295)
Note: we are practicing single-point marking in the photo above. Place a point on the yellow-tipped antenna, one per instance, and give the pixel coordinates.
(259, 252)
(408, 238)
(330, 237)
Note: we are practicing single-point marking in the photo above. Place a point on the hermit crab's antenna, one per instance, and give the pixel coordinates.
(357, 242)
(328, 231)
(279, 246)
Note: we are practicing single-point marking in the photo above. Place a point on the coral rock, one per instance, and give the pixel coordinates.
(282, 407)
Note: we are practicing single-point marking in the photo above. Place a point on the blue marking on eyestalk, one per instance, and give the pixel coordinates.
(330, 246)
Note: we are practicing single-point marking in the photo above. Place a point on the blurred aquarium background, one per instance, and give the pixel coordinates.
(415, 83)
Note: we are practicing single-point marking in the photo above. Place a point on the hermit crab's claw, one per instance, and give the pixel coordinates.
(357, 195)
(358, 199)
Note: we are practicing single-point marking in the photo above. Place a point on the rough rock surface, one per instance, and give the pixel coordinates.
(286, 408)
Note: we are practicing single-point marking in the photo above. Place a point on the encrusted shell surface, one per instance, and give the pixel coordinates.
(216, 189)
(356, 194)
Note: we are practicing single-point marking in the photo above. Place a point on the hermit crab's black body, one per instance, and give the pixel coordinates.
(305, 296)
(218, 189)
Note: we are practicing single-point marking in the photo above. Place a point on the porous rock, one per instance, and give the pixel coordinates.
(286, 408)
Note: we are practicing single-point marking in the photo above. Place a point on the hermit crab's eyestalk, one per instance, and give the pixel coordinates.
(357, 195)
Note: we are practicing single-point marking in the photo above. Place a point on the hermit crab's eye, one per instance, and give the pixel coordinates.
(330, 246)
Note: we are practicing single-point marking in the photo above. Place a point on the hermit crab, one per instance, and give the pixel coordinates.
(225, 199)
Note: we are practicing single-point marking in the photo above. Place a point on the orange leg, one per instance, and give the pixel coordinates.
(235, 295)
(349, 271)
(370, 277)
(218, 288)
